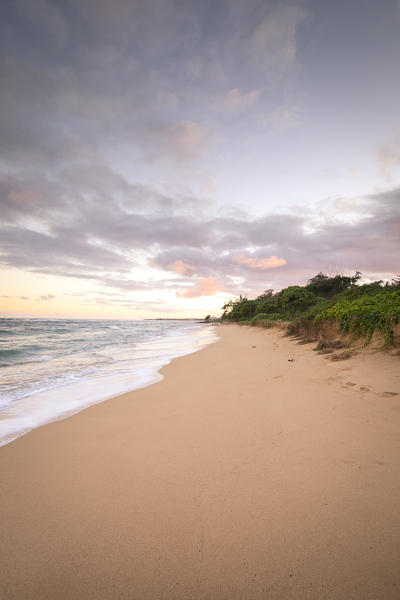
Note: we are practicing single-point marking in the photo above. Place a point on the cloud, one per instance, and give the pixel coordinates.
(188, 139)
(237, 101)
(94, 225)
(86, 84)
(82, 77)
(47, 17)
(182, 140)
(46, 297)
(259, 263)
(274, 39)
(388, 157)
(100, 99)
(181, 268)
(205, 287)
(282, 117)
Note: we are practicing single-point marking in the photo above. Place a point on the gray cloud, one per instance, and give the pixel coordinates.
(78, 77)
(99, 98)
(274, 40)
(47, 18)
(183, 140)
(109, 224)
(388, 155)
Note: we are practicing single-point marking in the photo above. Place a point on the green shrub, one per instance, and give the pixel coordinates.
(266, 305)
(279, 317)
(320, 305)
(368, 289)
(260, 317)
(295, 299)
(362, 316)
(360, 309)
(270, 317)
(327, 287)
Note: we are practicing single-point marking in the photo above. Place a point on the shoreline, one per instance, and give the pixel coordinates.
(133, 368)
(239, 475)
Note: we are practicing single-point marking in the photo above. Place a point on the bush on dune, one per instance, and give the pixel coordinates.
(295, 299)
(365, 314)
(327, 287)
(269, 317)
(359, 309)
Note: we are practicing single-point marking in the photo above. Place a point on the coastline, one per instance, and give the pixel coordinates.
(239, 475)
(81, 379)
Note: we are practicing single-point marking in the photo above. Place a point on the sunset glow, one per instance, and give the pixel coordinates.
(155, 166)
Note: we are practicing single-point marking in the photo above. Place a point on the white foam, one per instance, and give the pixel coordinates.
(118, 370)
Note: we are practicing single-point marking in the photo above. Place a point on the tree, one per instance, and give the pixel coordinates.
(237, 310)
(327, 287)
(267, 294)
(295, 299)
(227, 308)
(266, 303)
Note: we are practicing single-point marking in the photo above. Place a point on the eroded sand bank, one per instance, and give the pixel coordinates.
(239, 476)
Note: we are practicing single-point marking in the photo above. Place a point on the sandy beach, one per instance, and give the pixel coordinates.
(241, 475)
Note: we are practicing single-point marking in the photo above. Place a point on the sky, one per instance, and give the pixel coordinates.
(159, 157)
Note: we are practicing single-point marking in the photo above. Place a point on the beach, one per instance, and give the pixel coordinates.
(241, 475)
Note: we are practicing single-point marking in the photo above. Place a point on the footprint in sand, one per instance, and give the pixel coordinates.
(389, 394)
(348, 384)
(364, 388)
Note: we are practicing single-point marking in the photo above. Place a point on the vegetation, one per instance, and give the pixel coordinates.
(359, 309)
(328, 287)
(295, 299)
(364, 314)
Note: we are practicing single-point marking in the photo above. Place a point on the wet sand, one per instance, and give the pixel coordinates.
(240, 476)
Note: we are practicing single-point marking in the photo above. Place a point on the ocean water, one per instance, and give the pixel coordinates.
(51, 368)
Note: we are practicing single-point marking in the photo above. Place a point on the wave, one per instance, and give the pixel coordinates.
(91, 375)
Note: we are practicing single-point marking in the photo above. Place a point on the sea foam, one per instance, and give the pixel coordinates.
(63, 367)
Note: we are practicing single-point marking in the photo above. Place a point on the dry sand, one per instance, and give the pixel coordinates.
(240, 476)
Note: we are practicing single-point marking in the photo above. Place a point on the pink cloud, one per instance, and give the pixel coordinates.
(236, 100)
(271, 262)
(187, 140)
(181, 268)
(205, 287)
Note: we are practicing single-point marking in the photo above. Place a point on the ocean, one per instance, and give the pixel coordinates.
(52, 368)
